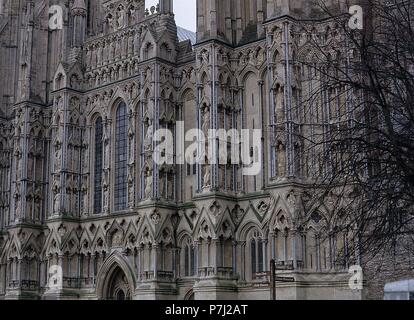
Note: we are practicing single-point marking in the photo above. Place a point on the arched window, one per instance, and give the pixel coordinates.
(256, 250)
(120, 189)
(189, 259)
(97, 193)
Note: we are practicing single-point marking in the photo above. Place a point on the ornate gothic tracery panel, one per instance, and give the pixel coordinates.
(121, 158)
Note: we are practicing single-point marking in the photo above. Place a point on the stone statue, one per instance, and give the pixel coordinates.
(110, 22)
(170, 188)
(130, 43)
(131, 190)
(206, 121)
(18, 210)
(121, 18)
(56, 203)
(281, 161)
(58, 157)
(137, 43)
(117, 48)
(148, 185)
(207, 176)
(162, 187)
(149, 136)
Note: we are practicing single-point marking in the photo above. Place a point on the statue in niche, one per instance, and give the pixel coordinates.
(60, 104)
(252, 58)
(206, 120)
(56, 203)
(130, 43)
(30, 162)
(121, 18)
(116, 240)
(106, 135)
(278, 114)
(117, 48)
(110, 22)
(93, 56)
(58, 156)
(207, 176)
(88, 57)
(19, 165)
(259, 57)
(170, 188)
(112, 49)
(18, 209)
(105, 185)
(38, 204)
(281, 160)
(29, 200)
(84, 190)
(124, 44)
(99, 54)
(131, 197)
(162, 186)
(205, 56)
(135, 91)
(137, 43)
(149, 136)
(132, 15)
(222, 178)
(148, 184)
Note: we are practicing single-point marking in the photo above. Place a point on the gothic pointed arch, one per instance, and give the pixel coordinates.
(115, 267)
(120, 154)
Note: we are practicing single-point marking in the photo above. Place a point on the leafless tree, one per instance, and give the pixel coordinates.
(363, 139)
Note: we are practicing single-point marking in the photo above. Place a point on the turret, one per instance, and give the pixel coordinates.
(309, 9)
(166, 7)
(78, 13)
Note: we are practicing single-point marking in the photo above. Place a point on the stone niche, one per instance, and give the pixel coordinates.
(121, 14)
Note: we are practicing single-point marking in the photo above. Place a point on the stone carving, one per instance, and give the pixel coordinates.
(148, 184)
(206, 121)
(207, 176)
(149, 136)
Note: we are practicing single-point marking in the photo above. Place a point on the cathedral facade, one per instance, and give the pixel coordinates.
(85, 210)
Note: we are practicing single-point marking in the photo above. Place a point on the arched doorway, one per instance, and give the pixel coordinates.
(118, 287)
(115, 279)
(189, 296)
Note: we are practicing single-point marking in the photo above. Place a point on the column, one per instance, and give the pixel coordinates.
(207, 253)
(293, 244)
(155, 260)
(92, 267)
(140, 251)
(177, 263)
(19, 270)
(265, 266)
(318, 254)
(197, 256)
(304, 251)
(234, 256)
(273, 245)
(243, 260)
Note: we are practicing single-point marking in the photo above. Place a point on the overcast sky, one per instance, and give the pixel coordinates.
(185, 12)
